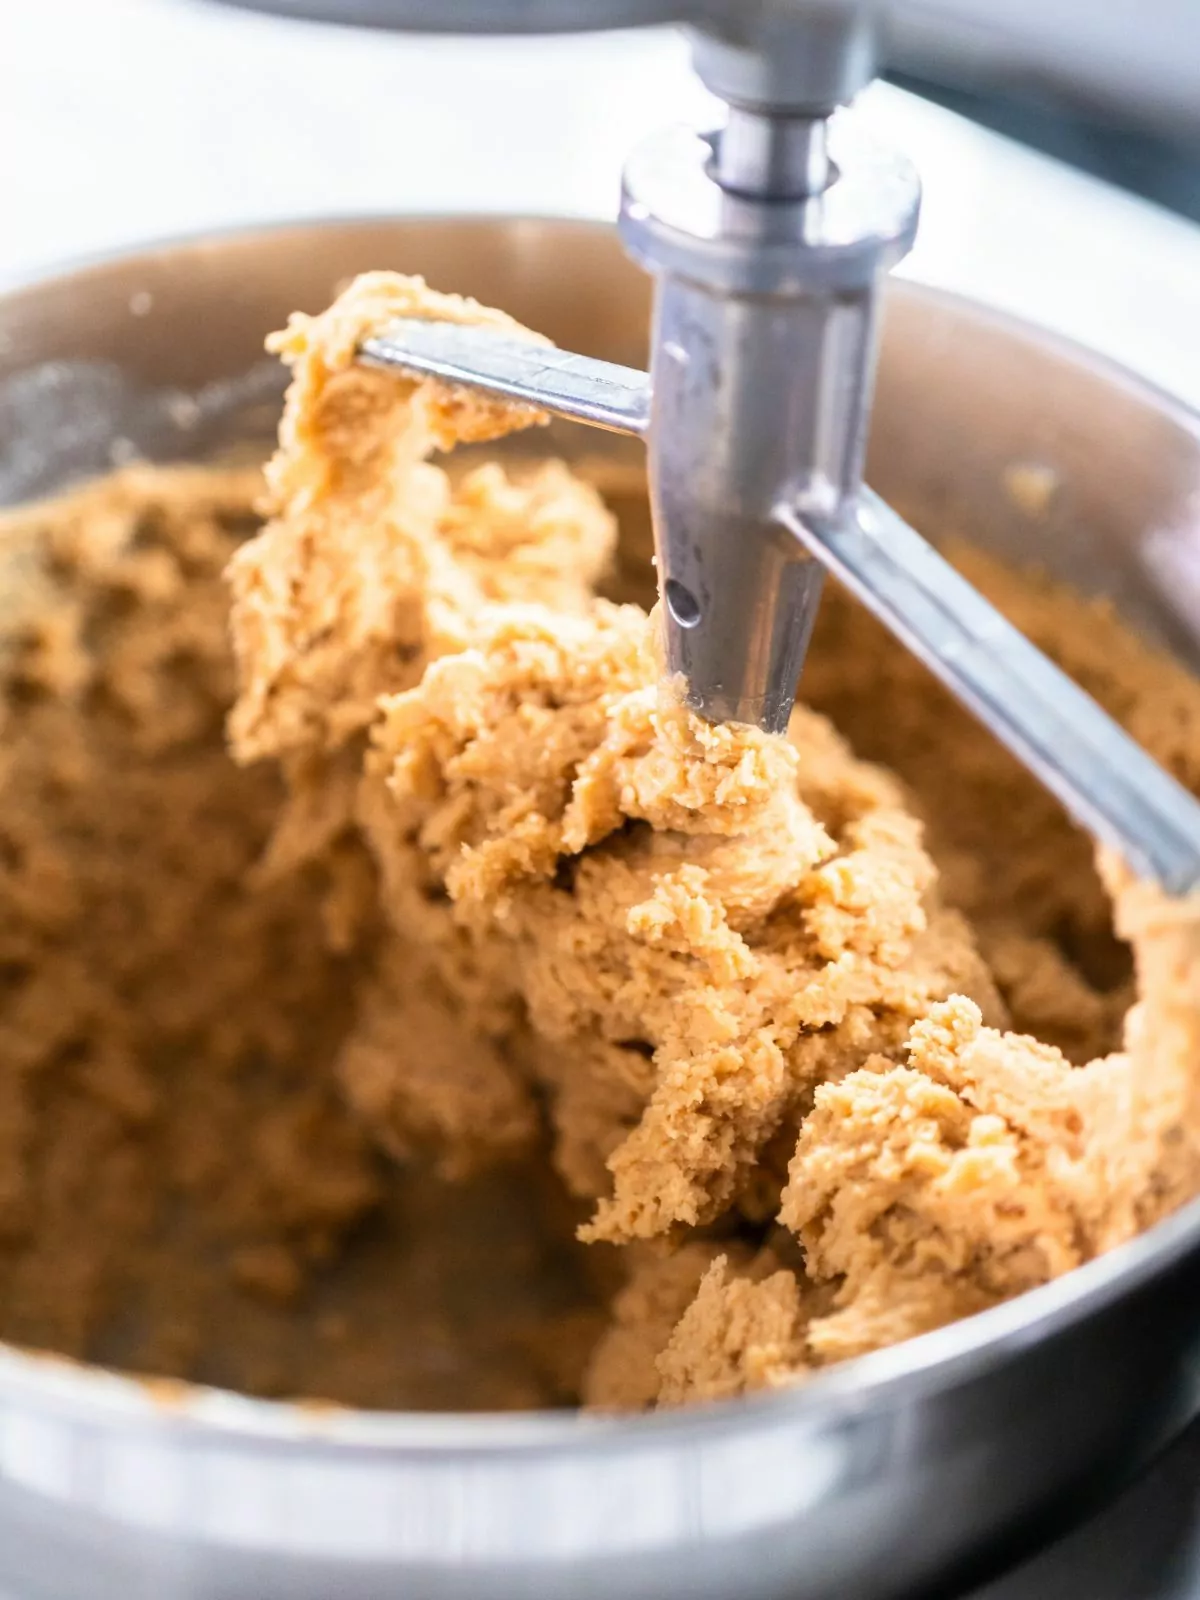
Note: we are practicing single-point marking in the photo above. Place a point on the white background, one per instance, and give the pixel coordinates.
(123, 120)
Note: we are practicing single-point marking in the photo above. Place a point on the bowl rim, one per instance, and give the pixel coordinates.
(948, 1357)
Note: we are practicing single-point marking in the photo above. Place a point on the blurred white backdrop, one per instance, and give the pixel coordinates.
(123, 120)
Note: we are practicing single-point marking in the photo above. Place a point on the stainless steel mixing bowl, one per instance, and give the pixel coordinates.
(899, 1474)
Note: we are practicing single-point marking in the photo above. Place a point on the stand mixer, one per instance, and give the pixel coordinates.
(768, 242)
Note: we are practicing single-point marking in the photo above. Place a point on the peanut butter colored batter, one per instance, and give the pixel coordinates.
(487, 942)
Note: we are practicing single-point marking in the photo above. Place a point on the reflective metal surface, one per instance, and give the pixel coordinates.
(768, 249)
(762, 358)
(562, 381)
(885, 1478)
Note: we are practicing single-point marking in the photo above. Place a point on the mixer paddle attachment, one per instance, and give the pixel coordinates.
(1104, 779)
(768, 242)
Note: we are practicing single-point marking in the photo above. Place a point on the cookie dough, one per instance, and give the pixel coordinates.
(183, 1189)
(491, 1031)
(704, 939)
